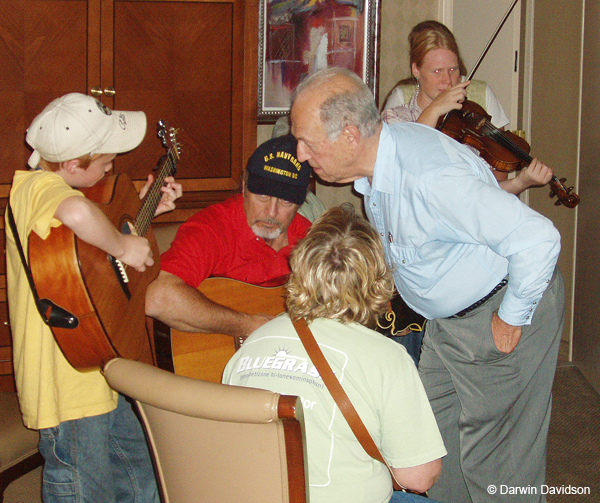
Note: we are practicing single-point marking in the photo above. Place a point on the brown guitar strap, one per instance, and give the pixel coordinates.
(339, 395)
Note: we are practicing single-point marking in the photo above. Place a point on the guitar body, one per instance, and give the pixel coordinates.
(204, 356)
(81, 278)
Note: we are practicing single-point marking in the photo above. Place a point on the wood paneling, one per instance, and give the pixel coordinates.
(191, 63)
(42, 57)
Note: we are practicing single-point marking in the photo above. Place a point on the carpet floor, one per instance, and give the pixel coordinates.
(573, 445)
(574, 438)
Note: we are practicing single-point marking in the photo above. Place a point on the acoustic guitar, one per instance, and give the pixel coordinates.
(204, 356)
(105, 296)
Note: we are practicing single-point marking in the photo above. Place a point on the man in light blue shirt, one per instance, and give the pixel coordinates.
(475, 261)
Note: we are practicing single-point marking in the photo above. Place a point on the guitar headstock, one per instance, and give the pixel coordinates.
(168, 136)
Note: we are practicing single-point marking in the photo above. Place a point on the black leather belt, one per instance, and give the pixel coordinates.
(496, 289)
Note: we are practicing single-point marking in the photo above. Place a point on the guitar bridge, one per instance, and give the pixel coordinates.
(121, 275)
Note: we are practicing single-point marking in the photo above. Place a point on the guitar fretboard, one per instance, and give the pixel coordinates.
(154, 195)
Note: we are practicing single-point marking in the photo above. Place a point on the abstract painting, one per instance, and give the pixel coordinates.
(298, 37)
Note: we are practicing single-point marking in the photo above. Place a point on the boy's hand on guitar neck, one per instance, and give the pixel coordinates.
(171, 192)
(137, 252)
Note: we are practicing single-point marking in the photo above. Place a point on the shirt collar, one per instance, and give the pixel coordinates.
(384, 169)
(382, 178)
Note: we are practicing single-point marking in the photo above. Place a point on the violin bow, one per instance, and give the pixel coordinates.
(493, 37)
(558, 188)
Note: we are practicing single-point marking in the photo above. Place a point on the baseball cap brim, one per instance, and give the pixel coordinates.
(123, 140)
(118, 142)
(269, 187)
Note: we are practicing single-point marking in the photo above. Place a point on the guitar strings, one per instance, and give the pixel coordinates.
(144, 217)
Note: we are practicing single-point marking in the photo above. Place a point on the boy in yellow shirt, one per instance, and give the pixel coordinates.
(92, 443)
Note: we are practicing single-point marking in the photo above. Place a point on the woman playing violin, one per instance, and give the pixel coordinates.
(436, 87)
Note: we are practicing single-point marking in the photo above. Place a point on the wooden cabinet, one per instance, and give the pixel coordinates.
(191, 63)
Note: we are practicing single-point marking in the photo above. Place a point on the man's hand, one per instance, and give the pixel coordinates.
(506, 337)
(254, 321)
(185, 308)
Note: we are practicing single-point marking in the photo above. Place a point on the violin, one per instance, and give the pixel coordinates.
(503, 150)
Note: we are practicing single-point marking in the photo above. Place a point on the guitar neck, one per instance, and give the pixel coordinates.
(154, 195)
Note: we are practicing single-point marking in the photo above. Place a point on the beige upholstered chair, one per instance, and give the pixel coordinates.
(217, 443)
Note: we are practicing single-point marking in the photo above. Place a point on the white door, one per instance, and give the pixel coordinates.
(473, 23)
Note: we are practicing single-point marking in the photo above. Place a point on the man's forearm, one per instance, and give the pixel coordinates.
(172, 301)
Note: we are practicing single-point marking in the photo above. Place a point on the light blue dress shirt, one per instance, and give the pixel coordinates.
(448, 230)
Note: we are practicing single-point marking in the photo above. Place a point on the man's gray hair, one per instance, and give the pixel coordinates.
(346, 107)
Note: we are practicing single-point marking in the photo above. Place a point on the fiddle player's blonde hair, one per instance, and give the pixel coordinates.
(424, 37)
(339, 272)
(428, 36)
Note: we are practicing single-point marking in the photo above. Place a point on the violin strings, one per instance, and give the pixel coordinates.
(507, 142)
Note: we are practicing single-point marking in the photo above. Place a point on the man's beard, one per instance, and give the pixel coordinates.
(267, 234)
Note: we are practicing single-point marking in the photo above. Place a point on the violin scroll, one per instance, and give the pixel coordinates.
(564, 194)
(503, 150)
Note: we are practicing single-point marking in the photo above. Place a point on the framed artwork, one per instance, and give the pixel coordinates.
(298, 37)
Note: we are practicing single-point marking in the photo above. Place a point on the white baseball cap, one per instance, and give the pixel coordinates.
(76, 124)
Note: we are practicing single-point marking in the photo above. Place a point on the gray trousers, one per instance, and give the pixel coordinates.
(492, 408)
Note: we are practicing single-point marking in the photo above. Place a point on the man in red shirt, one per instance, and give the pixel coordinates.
(248, 238)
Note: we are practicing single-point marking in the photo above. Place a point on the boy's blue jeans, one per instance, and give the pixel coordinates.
(98, 459)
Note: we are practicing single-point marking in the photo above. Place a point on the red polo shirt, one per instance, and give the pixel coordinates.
(217, 241)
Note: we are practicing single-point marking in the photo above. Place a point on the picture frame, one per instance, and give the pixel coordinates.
(301, 36)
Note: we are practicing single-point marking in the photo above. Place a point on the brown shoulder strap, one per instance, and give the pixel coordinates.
(337, 392)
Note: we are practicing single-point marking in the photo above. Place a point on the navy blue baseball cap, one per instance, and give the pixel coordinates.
(274, 170)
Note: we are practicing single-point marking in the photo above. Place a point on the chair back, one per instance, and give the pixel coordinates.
(213, 442)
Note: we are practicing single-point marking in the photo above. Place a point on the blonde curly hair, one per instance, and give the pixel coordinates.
(339, 272)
